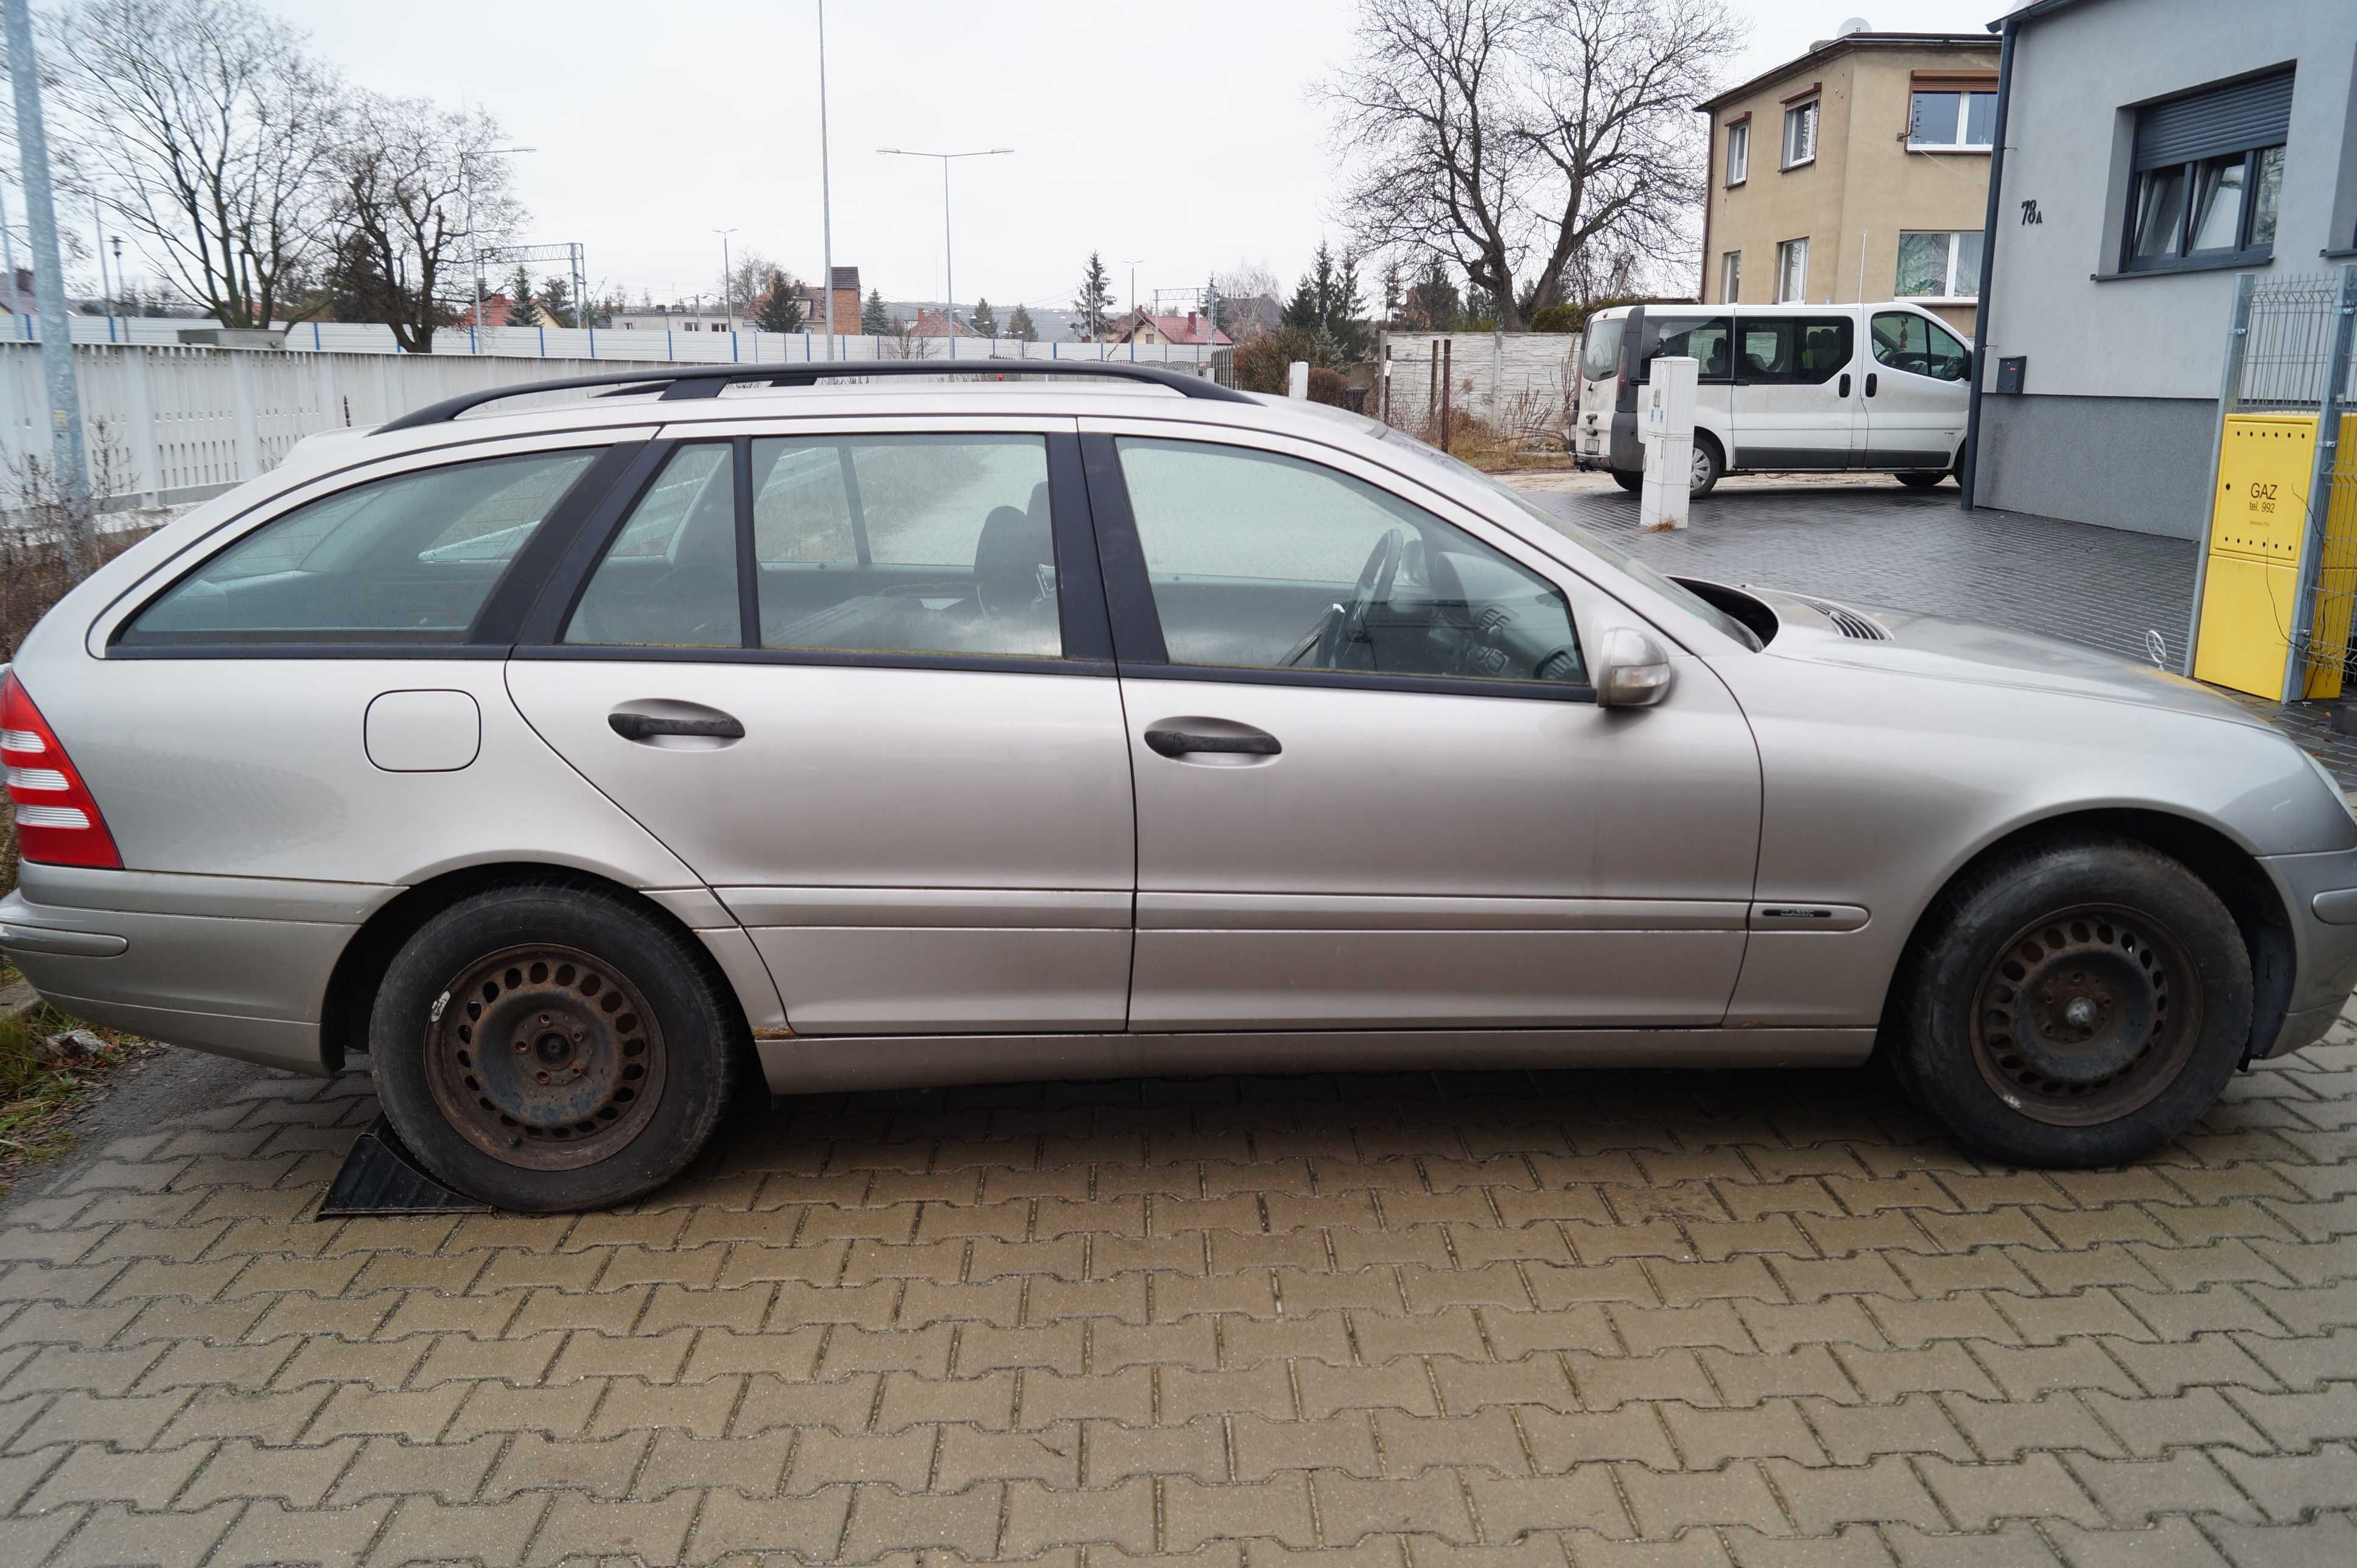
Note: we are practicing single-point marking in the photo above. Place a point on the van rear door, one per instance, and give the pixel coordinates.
(1599, 384)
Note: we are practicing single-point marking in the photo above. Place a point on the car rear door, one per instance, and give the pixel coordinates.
(1917, 389)
(858, 674)
(1796, 395)
(1430, 825)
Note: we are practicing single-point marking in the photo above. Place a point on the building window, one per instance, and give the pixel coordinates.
(1951, 122)
(1801, 133)
(1935, 266)
(1793, 271)
(2207, 177)
(1739, 150)
(1730, 277)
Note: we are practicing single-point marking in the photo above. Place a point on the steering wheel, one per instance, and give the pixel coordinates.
(1340, 626)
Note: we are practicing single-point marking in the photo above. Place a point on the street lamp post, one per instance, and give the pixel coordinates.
(949, 278)
(467, 178)
(1132, 262)
(727, 283)
(825, 189)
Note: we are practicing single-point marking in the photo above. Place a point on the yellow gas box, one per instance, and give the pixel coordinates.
(2258, 528)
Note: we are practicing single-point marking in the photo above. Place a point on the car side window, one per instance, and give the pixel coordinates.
(409, 558)
(905, 543)
(1705, 342)
(669, 579)
(1792, 350)
(1906, 341)
(1260, 561)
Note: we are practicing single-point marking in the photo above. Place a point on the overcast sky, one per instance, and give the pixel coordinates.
(1177, 133)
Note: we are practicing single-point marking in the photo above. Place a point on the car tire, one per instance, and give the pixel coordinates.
(1919, 480)
(1709, 465)
(1632, 483)
(2076, 1005)
(549, 1045)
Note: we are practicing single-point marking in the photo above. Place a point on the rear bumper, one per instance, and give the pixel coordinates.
(2317, 894)
(1618, 448)
(238, 966)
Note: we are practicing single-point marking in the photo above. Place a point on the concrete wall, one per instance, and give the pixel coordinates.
(1521, 383)
(2141, 464)
(1863, 190)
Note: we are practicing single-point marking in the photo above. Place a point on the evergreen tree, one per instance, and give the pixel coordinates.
(1302, 310)
(782, 306)
(1342, 308)
(518, 288)
(556, 298)
(1094, 301)
(1019, 327)
(1433, 304)
(1394, 290)
(984, 320)
(873, 320)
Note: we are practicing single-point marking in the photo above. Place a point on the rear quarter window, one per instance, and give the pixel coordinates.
(409, 558)
(1599, 358)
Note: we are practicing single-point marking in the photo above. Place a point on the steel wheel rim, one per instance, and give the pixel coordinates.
(1699, 468)
(2086, 1016)
(545, 1058)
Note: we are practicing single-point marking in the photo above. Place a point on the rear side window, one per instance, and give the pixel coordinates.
(407, 559)
(1793, 350)
(1705, 342)
(669, 580)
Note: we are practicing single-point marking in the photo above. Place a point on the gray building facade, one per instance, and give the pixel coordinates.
(2151, 150)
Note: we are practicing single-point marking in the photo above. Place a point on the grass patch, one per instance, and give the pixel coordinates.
(41, 1085)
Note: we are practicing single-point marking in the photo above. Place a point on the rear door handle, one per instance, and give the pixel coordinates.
(1871, 382)
(1845, 384)
(1179, 742)
(645, 727)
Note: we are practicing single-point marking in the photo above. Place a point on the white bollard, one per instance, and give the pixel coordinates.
(1297, 379)
(1666, 425)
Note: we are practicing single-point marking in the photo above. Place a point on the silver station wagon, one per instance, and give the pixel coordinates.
(586, 762)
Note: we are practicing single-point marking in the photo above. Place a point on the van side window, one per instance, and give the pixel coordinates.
(1906, 341)
(1708, 342)
(1793, 350)
(410, 558)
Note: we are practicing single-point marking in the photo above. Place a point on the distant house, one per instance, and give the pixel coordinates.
(671, 319)
(1144, 327)
(939, 324)
(498, 310)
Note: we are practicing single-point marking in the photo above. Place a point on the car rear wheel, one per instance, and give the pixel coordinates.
(2079, 1004)
(1632, 483)
(1918, 480)
(1708, 465)
(551, 1047)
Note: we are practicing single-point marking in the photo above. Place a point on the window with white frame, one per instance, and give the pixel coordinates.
(1739, 150)
(1935, 265)
(1791, 272)
(1801, 133)
(1730, 277)
(1951, 121)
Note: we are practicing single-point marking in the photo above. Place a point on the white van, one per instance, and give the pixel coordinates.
(1782, 388)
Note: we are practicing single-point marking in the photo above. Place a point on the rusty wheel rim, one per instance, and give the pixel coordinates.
(2085, 1015)
(545, 1058)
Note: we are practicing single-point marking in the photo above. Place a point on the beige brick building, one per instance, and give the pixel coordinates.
(1857, 172)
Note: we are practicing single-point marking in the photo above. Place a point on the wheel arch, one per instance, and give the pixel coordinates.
(2228, 868)
(361, 966)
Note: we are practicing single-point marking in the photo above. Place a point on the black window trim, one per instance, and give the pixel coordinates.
(487, 637)
(1142, 654)
(2246, 255)
(1080, 602)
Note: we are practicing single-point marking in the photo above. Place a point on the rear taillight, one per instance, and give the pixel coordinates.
(56, 822)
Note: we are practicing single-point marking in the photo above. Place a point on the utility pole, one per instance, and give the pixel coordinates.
(949, 278)
(105, 294)
(69, 464)
(727, 283)
(825, 187)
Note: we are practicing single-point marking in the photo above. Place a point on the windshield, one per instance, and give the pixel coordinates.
(1599, 360)
(1684, 598)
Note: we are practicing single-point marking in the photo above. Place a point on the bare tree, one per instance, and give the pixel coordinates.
(1530, 144)
(402, 203)
(205, 127)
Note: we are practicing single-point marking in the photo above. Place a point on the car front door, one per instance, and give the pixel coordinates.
(1916, 393)
(858, 677)
(1374, 786)
(1796, 394)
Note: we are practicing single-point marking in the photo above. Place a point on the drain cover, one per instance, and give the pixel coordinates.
(380, 1176)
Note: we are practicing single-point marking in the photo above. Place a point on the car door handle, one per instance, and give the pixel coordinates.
(1871, 382)
(646, 726)
(1845, 384)
(1179, 742)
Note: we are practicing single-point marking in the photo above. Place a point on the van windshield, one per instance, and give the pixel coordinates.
(1600, 360)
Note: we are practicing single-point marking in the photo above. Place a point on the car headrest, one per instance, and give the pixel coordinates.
(1007, 557)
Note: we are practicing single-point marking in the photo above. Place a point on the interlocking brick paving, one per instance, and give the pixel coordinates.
(1876, 544)
(1518, 1319)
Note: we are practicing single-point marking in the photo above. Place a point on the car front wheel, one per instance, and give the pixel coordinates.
(2079, 1004)
(1918, 480)
(551, 1047)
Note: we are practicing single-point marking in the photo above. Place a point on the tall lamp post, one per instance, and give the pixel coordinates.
(727, 283)
(825, 187)
(1132, 262)
(467, 178)
(949, 279)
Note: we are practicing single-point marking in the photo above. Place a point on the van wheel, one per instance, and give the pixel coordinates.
(1632, 483)
(549, 1047)
(2079, 1004)
(1919, 480)
(1709, 462)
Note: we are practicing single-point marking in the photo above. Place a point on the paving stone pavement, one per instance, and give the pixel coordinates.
(1422, 1321)
(1878, 544)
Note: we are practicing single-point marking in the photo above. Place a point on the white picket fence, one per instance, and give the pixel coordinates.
(167, 425)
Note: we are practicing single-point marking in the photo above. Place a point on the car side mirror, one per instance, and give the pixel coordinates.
(1632, 671)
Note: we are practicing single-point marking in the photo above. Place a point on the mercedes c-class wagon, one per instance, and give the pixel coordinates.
(580, 763)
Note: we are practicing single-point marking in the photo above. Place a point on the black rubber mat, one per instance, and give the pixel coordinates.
(380, 1177)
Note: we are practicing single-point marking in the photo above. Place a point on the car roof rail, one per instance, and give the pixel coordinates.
(707, 380)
